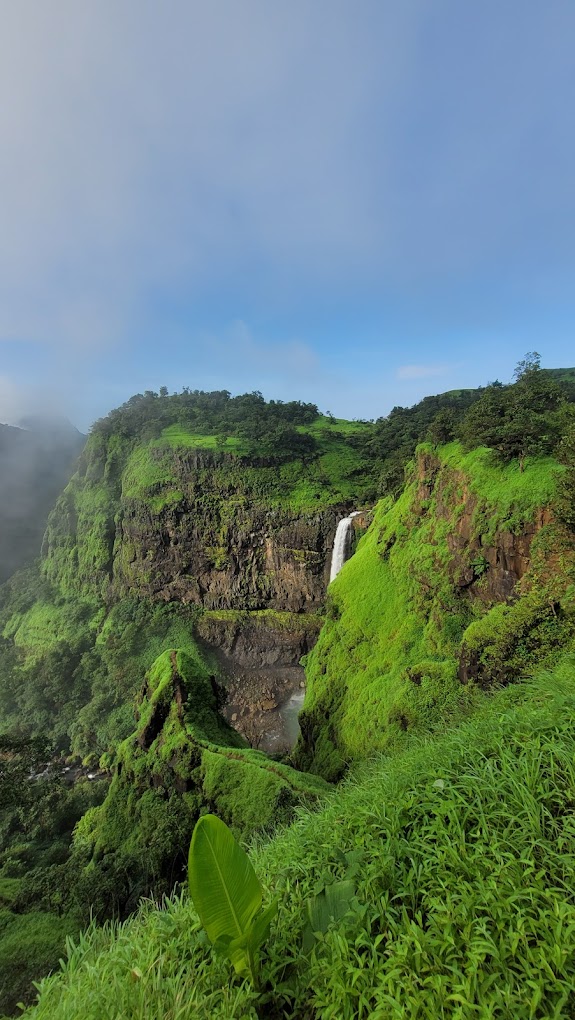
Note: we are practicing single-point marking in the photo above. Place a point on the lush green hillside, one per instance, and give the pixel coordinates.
(163, 522)
(462, 852)
(199, 527)
(464, 578)
(149, 531)
(181, 760)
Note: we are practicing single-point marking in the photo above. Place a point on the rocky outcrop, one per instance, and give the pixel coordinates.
(182, 760)
(487, 563)
(251, 558)
(198, 526)
(256, 657)
(260, 639)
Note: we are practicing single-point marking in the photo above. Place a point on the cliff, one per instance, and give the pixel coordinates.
(168, 520)
(446, 645)
(182, 759)
(150, 535)
(466, 581)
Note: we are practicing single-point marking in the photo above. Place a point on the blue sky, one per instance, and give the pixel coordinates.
(352, 203)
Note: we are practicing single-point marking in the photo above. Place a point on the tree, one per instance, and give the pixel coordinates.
(525, 419)
(529, 364)
(442, 428)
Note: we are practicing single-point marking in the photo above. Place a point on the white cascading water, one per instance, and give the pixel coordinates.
(341, 544)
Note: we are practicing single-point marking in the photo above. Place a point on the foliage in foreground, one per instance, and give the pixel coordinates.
(467, 848)
(227, 895)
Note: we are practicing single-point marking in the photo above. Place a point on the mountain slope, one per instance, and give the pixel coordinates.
(463, 852)
(466, 581)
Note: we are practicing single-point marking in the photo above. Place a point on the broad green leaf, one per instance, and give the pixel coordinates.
(330, 905)
(247, 946)
(260, 926)
(223, 884)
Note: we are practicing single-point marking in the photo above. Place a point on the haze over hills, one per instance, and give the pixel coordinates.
(36, 461)
(326, 590)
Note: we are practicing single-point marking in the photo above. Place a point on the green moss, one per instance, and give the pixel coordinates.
(46, 626)
(464, 858)
(396, 605)
(183, 758)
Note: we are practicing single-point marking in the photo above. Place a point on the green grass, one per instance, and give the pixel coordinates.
(44, 627)
(561, 374)
(178, 436)
(386, 662)
(465, 848)
(508, 496)
(324, 428)
(154, 474)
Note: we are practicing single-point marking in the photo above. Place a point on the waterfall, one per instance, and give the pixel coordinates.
(341, 544)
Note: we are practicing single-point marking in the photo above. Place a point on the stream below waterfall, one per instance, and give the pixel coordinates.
(262, 702)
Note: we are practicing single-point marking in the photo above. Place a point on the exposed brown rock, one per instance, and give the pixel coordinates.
(260, 558)
(490, 568)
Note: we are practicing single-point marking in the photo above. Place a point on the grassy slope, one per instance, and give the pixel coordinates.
(386, 660)
(72, 612)
(337, 474)
(466, 906)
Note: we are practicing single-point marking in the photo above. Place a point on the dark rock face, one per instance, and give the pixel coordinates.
(254, 559)
(257, 661)
(498, 561)
(252, 643)
(525, 570)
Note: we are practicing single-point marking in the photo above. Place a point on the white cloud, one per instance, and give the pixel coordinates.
(151, 148)
(422, 371)
(242, 353)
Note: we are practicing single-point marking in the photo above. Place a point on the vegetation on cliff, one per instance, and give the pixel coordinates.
(201, 515)
(182, 760)
(423, 604)
(465, 851)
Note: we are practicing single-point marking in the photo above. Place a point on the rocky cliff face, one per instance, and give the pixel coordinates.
(201, 529)
(256, 657)
(244, 545)
(251, 558)
(464, 582)
(487, 563)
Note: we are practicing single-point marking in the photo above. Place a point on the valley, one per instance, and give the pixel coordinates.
(275, 634)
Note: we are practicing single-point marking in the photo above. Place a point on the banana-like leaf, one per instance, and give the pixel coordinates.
(323, 909)
(260, 926)
(245, 948)
(223, 884)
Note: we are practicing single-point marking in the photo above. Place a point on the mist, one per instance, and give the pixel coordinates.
(36, 461)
